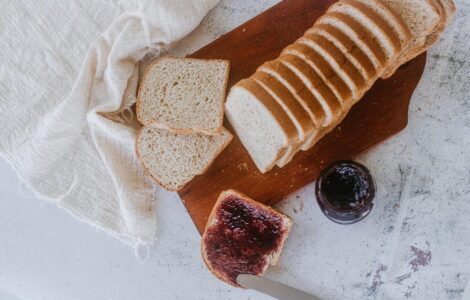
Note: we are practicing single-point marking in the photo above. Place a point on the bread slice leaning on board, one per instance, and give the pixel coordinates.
(290, 103)
(230, 244)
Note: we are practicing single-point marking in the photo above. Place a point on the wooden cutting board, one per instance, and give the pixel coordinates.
(380, 114)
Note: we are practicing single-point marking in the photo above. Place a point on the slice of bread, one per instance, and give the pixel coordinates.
(174, 159)
(263, 126)
(362, 36)
(446, 9)
(439, 6)
(242, 236)
(433, 36)
(184, 95)
(323, 68)
(422, 18)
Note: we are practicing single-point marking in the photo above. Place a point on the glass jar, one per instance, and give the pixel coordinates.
(345, 192)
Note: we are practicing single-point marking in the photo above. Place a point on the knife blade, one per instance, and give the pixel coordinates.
(273, 288)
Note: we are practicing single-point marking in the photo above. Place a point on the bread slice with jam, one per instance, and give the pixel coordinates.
(242, 236)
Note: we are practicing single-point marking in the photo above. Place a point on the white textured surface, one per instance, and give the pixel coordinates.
(415, 244)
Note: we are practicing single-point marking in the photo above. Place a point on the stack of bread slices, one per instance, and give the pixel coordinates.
(293, 101)
(180, 102)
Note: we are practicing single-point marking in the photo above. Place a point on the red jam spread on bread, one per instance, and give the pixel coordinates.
(243, 237)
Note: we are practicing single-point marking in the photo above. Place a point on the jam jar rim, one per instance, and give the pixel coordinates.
(325, 202)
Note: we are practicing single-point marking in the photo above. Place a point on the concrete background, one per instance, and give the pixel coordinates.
(415, 244)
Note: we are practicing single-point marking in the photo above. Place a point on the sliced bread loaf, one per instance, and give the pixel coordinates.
(184, 95)
(262, 125)
(242, 236)
(174, 159)
(317, 79)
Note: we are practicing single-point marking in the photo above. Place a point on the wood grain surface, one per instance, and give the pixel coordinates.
(380, 114)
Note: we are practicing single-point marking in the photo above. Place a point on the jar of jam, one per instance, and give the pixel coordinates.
(345, 192)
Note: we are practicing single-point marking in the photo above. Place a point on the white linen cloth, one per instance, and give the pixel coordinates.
(63, 63)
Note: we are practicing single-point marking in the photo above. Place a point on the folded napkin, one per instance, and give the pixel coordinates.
(69, 75)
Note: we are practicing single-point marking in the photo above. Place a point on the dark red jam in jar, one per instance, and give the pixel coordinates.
(345, 192)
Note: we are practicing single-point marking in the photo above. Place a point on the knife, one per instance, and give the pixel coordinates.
(273, 288)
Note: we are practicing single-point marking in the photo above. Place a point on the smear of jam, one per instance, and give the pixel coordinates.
(242, 237)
